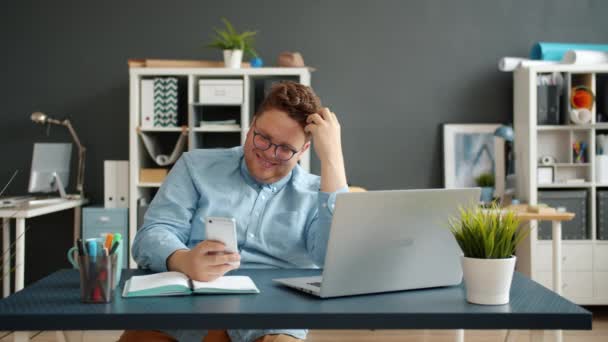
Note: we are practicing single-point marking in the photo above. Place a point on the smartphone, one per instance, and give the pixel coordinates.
(222, 229)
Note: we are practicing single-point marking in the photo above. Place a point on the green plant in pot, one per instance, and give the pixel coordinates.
(488, 238)
(233, 44)
(486, 182)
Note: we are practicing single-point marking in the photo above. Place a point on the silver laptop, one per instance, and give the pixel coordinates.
(384, 241)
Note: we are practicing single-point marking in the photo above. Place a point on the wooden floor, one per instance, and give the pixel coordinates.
(598, 334)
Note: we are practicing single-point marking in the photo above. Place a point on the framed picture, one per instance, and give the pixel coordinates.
(470, 150)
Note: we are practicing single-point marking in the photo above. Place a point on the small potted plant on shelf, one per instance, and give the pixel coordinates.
(486, 182)
(488, 239)
(234, 44)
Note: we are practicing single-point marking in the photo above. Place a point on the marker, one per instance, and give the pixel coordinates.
(108, 243)
(117, 240)
(92, 248)
(114, 247)
(80, 246)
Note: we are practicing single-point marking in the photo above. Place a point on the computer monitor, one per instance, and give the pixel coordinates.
(50, 167)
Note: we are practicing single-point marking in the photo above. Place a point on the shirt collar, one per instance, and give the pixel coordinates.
(274, 187)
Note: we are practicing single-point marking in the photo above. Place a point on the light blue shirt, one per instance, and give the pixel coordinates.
(284, 224)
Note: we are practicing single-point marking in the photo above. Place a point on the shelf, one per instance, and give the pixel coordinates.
(566, 242)
(564, 127)
(217, 128)
(149, 185)
(161, 129)
(569, 165)
(198, 104)
(564, 185)
(601, 125)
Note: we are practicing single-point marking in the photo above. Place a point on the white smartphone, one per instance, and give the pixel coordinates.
(222, 229)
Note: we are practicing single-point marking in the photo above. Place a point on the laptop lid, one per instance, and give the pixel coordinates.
(394, 240)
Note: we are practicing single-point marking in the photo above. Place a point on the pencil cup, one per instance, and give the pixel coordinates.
(73, 259)
(97, 278)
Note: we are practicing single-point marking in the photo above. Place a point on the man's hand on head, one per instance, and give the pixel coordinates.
(207, 261)
(325, 130)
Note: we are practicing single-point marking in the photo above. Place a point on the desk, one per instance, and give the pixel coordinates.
(53, 303)
(556, 219)
(20, 213)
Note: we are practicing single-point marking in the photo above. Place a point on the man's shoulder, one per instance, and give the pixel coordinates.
(304, 180)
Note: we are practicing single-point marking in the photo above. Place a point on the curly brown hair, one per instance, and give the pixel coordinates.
(295, 99)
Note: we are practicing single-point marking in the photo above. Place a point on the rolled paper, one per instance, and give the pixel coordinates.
(585, 57)
(556, 51)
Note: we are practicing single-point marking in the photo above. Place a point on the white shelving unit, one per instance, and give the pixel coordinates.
(198, 136)
(584, 262)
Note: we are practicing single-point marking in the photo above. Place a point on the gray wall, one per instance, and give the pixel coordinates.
(393, 71)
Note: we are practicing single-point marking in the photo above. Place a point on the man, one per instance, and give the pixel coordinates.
(283, 213)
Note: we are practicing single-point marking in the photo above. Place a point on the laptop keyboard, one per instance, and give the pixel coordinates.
(316, 283)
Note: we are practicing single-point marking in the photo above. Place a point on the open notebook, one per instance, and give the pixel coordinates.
(178, 284)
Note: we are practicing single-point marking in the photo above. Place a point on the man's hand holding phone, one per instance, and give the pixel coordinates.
(207, 261)
(213, 257)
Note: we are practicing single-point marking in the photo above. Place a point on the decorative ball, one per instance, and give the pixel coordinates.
(256, 62)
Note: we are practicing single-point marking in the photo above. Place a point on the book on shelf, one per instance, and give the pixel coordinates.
(178, 63)
(178, 284)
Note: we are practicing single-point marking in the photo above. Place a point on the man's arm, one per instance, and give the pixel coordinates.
(317, 233)
(161, 243)
(166, 227)
(325, 130)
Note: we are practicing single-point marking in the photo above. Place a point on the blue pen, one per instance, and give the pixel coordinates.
(92, 248)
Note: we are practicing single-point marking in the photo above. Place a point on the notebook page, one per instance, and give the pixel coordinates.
(152, 281)
(233, 283)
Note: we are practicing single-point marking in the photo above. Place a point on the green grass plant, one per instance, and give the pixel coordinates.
(487, 233)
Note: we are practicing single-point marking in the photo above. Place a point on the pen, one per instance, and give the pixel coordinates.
(80, 246)
(114, 247)
(117, 240)
(92, 248)
(108, 243)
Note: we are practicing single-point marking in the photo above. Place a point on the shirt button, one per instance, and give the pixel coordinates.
(324, 205)
(251, 235)
(263, 197)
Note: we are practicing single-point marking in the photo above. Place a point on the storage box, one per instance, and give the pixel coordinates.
(602, 214)
(156, 175)
(212, 91)
(574, 201)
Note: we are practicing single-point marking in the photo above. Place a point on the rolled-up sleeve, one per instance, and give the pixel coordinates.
(317, 233)
(167, 222)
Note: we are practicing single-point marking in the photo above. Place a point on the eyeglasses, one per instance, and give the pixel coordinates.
(281, 152)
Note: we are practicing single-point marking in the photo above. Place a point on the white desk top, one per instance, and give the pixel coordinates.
(41, 207)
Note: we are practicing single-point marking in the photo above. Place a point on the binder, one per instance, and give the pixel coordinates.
(147, 104)
(116, 183)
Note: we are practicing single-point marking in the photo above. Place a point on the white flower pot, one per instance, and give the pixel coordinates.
(488, 281)
(233, 58)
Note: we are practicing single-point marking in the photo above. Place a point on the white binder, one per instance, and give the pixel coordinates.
(116, 183)
(147, 104)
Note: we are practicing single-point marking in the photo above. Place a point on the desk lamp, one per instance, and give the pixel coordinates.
(42, 118)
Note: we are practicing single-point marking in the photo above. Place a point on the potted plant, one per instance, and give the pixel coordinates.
(234, 44)
(486, 182)
(488, 239)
